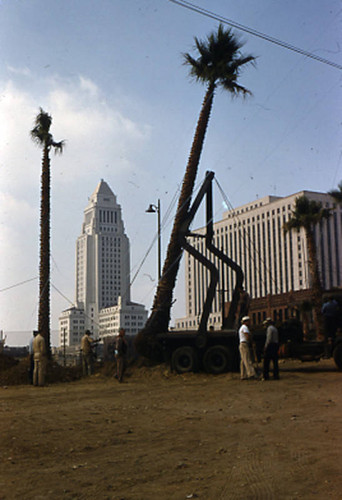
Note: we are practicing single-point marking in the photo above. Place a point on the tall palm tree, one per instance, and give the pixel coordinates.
(306, 214)
(337, 193)
(41, 135)
(218, 64)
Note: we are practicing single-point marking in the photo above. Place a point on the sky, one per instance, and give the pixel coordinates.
(111, 74)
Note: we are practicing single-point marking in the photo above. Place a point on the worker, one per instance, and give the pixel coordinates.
(247, 371)
(39, 357)
(243, 304)
(330, 312)
(120, 354)
(271, 349)
(87, 353)
(31, 356)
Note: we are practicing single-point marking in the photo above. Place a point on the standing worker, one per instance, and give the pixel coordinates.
(271, 349)
(30, 349)
(87, 353)
(120, 354)
(243, 305)
(330, 311)
(247, 371)
(39, 357)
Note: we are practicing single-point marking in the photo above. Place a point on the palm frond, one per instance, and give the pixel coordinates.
(40, 134)
(337, 193)
(306, 213)
(219, 60)
(58, 147)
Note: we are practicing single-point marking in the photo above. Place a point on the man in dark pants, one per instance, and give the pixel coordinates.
(120, 353)
(243, 305)
(271, 350)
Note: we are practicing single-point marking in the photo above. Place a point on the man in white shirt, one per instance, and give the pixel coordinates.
(247, 370)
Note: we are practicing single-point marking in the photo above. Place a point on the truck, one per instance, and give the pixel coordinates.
(292, 345)
(217, 351)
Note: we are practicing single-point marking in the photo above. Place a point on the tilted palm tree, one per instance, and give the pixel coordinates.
(42, 137)
(219, 64)
(337, 193)
(306, 214)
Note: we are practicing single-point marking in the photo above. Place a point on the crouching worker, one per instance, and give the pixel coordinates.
(120, 354)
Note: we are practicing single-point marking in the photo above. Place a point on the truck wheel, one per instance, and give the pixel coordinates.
(184, 359)
(217, 359)
(338, 355)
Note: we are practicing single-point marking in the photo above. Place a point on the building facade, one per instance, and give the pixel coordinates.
(102, 271)
(273, 262)
(130, 316)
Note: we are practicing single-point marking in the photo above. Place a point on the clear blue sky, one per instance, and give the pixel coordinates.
(110, 72)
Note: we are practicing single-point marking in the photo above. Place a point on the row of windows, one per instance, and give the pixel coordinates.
(268, 214)
(108, 229)
(108, 216)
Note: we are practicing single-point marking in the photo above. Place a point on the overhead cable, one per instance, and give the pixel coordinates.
(251, 31)
(18, 284)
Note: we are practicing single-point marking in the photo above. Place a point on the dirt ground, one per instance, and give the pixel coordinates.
(162, 436)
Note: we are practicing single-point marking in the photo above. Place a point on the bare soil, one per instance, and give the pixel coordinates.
(160, 435)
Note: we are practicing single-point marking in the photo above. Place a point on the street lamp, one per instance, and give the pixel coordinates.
(152, 209)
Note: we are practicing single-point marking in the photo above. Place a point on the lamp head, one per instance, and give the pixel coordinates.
(151, 209)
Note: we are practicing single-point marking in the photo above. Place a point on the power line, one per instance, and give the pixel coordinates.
(18, 284)
(251, 31)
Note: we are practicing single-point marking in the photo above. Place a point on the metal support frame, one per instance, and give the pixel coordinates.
(206, 190)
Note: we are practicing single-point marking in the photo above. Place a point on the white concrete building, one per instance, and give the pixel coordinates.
(102, 270)
(130, 316)
(272, 262)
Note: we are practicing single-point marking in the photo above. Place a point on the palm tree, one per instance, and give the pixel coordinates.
(306, 214)
(41, 135)
(337, 193)
(218, 64)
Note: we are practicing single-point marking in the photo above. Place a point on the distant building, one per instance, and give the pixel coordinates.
(71, 326)
(273, 263)
(102, 274)
(130, 316)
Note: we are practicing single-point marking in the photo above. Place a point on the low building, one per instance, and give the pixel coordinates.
(130, 316)
(71, 327)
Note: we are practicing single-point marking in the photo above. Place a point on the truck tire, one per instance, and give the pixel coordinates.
(338, 355)
(184, 359)
(217, 359)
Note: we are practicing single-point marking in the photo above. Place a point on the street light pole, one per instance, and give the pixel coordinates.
(152, 209)
(64, 361)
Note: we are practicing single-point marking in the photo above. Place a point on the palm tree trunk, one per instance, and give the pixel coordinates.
(159, 318)
(316, 286)
(44, 264)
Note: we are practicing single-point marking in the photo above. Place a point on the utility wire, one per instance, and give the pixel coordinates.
(251, 31)
(18, 284)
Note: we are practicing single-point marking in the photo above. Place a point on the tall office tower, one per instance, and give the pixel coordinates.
(102, 274)
(273, 263)
(102, 256)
